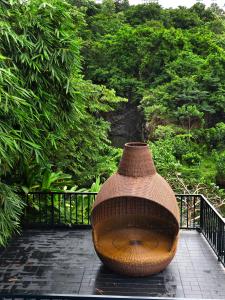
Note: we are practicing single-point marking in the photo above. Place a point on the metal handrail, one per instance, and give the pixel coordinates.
(73, 209)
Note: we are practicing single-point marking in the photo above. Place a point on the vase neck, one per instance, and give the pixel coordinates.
(136, 161)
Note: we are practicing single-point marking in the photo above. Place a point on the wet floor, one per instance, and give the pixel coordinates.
(64, 262)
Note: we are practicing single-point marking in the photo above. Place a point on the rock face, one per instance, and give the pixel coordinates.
(220, 181)
(126, 125)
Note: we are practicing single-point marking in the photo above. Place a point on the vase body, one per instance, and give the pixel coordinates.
(135, 217)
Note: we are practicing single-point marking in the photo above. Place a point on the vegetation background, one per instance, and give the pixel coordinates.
(64, 66)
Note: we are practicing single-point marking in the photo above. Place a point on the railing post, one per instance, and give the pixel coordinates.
(52, 209)
(25, 217)
(220, 241)
(201, 214)
(223, 245)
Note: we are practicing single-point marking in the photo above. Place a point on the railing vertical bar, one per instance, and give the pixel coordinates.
(223, 243)
(76, 209)
(59, 208)
(187, 213)
(26, 211)
(64, 202)
(82, 209)
(220, 238)
(46, 209)
(201, 214)
(213, 226)
(194, 215)
(213, 218)
(206, 221)
(88, 210)
(39, 207)
(216, 234)
(181, 211)
(70, 211)
(52, 209)
(33, 201)
(214, 231)
(210, 223)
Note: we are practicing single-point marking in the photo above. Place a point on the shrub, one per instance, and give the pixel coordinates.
(183, 145)
(191, 158)
(163, 153)
(220, 170)
(11, 208)
(215, 136)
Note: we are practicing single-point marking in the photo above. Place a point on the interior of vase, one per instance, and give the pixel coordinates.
(133, 226)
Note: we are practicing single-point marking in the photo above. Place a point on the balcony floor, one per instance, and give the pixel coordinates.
(64, 262)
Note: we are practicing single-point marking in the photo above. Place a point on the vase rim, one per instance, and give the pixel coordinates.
(136, 145)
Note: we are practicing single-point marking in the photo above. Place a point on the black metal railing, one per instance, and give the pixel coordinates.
(58, 209)
(189, 211)
(73, 209)
(212, 226)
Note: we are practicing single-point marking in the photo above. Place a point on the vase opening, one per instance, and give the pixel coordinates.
(136, 144)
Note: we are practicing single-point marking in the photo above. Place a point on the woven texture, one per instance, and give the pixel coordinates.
(135, 217)
(136, 161)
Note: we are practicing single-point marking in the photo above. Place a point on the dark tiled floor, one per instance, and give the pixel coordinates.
(65, 262)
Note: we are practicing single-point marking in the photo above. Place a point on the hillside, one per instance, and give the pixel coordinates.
(170, 65)
(79, 79)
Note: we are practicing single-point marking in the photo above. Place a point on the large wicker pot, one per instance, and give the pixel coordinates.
(135, 217)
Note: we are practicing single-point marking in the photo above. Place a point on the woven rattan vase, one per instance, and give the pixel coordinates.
(135, 217)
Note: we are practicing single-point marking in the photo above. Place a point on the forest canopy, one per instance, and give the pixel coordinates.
(170, 64)
(64, 65)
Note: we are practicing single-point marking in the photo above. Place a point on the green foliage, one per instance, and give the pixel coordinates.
(36, 178)
(207, 168)
(163, 155)
(191, 158)
(168, 61)
(11, 207)
(62, 65)
(215, 136)
(40, 60)
(139, 14)
(95, 187)
(49, 115)
(220, 170)
(164, 132)
(184, 144)
(171, 64)
(189, 115)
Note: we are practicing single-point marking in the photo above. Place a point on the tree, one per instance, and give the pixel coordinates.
(45, 101)
(121, 5)
(141, 13)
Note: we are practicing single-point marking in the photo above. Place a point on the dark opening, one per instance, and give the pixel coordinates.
(136, 144)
